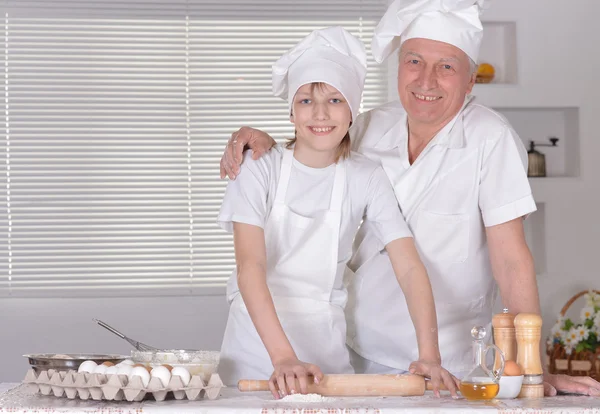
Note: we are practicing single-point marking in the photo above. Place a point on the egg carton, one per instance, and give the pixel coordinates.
(114, 387)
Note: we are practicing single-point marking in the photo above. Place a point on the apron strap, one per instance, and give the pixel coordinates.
(284, 177)
(339, 184)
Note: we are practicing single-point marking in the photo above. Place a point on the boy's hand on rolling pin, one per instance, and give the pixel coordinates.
(290, 373)
(437, 374)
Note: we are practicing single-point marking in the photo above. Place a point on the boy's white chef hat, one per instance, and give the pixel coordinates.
(455, 22)
(330, 55)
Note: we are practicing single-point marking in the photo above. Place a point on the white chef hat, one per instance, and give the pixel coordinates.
(330, 55)
(451, 21)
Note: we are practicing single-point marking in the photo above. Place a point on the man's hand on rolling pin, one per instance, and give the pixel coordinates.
(568, 384)
(258, 141)
(287, 372)
(437, 375)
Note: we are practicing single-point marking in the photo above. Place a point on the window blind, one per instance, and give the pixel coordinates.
(116, 115)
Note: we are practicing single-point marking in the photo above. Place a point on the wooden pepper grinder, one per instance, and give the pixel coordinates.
(504, 336)
(528, 331)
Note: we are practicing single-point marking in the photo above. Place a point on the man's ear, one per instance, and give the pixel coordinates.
(471, 82)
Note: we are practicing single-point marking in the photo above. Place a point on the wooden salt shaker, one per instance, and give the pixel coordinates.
(504, 336)
(528, 331)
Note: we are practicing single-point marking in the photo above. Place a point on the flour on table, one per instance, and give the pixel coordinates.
(306, 398)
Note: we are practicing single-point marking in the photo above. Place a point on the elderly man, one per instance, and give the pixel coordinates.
(459, 174)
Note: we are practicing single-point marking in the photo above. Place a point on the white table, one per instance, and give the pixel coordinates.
(20, 400)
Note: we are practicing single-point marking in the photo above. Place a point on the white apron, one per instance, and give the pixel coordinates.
(302, 256)
(464, 289)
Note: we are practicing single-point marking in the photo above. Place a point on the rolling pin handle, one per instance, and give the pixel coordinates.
(428, 385)
(253, 385)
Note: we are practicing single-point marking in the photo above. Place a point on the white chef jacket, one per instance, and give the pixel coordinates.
(472, 175)
(368, 194)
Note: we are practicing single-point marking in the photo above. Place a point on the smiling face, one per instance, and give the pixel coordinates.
(433, 80)
(321, 116)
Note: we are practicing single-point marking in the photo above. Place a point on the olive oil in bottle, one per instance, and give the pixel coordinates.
(481, 383)
(479, 391)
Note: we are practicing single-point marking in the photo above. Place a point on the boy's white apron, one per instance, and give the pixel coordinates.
(302, 261)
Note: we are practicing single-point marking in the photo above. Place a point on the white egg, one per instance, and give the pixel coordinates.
(142, 373)
(124, 370)
(87, 366)
(126, 362)
(100, 369)
(111, 370)
(162, 373)
(183, 373)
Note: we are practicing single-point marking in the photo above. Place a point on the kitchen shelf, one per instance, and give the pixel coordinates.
(499, 48)
(538, 124)
(547, 189)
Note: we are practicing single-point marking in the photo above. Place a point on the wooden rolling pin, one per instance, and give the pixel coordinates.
(357, 385)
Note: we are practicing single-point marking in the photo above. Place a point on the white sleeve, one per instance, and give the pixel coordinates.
(382, 210)
(245, 199)
(504, 192)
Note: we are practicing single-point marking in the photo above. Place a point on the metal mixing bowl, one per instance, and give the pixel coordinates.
(66, 362)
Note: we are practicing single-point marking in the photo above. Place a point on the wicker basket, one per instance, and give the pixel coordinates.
(584, 363)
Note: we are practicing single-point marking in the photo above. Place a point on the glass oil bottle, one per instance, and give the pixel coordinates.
(481, 383)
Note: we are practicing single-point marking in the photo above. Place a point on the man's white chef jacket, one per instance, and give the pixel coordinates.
(472, 175)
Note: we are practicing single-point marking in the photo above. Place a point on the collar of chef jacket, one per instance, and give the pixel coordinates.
(452, 135)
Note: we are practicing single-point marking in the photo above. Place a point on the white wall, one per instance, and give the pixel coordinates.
(65, 325)
(557, 60)
(558, 64)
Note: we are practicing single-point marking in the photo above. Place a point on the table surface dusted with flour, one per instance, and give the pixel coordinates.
(18, 399)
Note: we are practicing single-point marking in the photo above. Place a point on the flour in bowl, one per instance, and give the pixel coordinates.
(306, 398)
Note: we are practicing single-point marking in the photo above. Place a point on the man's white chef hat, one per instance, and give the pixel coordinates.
(330, 55)
(451, 21)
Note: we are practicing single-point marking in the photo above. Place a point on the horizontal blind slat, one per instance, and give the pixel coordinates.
(117, 116)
